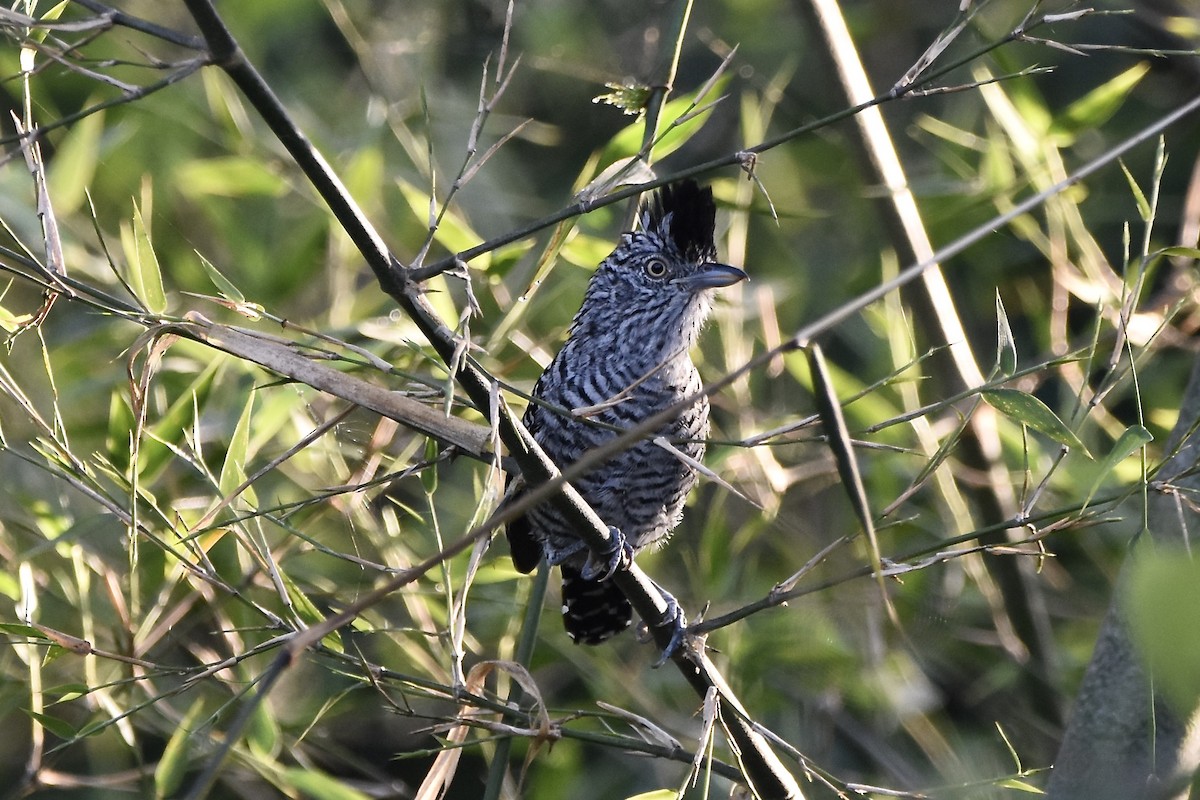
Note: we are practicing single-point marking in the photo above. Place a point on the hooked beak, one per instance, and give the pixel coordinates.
(713, 276)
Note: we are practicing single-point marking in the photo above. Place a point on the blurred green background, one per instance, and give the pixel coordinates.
(946, 699)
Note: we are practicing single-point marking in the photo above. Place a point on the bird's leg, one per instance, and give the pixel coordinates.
(560, 554)
(675, 618)
(601, 566)
(596, 568)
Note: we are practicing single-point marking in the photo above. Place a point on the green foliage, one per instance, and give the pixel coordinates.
(1163, 604)
(175, 511)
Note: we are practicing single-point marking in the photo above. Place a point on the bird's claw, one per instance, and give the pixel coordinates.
(674, 617)
(602, 567)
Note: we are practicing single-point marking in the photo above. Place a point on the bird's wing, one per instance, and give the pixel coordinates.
(525, 549)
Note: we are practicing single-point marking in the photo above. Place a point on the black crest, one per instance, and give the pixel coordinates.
(685, 214)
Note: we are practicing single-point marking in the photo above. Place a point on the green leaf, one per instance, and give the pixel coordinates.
(228, 176)
(53, 653)
(66, 692)
(233, 471)
(1139, 197)
(145, 276)
(74, 163)
(454, 232)
(657, 794)
(17, 629)
(10, 587)
(307, 610)
(40, 33)
(1163, 608)
(1181, 252)
(116, 439)
(262, 732)
(168, 775)
(361, 177)
(1130, 441)
(59, 727)
(155, 452)
(224, 286)
(628, 141)
(630, 97)
(429, 475)
(320, 786)
(1098, 106)
(10, 322)
(1006, 348)
(1019, 785)
(1033, 413)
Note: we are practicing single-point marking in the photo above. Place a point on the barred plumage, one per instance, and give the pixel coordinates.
(627, 354)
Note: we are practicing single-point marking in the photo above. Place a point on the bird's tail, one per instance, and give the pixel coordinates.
(593, 610)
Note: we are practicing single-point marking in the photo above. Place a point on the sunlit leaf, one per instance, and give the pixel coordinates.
(454, 233)
(307, 610)
(262, 732)
(319, 786)
(17, 629)
(233, 471)
(59, 727)
(145, 275)
(628, 142)
(1026, 409)
(1098, 106)
(1006, 348)
(10, 322)
(74, 164)
(1139, 197)
(1163, 605)
(1019, 785)
(1180, 252)
(224, 286)
(154, 453)
(1129, 442)
(228, 176)
(172, 765)
(630, 98)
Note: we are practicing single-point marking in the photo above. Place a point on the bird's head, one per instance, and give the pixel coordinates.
(663, 272)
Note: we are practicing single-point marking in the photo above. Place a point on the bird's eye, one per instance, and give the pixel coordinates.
(656, 268)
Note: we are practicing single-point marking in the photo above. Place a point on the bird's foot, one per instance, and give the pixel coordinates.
(600, 567)
(673, 617)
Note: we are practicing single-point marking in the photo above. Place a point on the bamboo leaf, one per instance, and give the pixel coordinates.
(319, 786)
(224, 286)
(168, 775)
(145, 276)
(628, 142)
(1139, 197)
(59, 727)
(74, 164)
(1006, 348)
(1133, 438)
(228, 176)
(1100, 104)
(233, 471)
(1164, 621)
(1026, 409)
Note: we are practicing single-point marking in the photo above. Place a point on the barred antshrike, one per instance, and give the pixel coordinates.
(625, 359)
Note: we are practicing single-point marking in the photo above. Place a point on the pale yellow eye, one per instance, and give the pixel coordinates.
(656, 268)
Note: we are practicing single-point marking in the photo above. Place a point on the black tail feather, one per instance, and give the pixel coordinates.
(592, 610)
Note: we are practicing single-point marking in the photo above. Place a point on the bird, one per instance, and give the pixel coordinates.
(626, 357)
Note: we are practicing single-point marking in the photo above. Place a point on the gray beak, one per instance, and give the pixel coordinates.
(712, 276)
